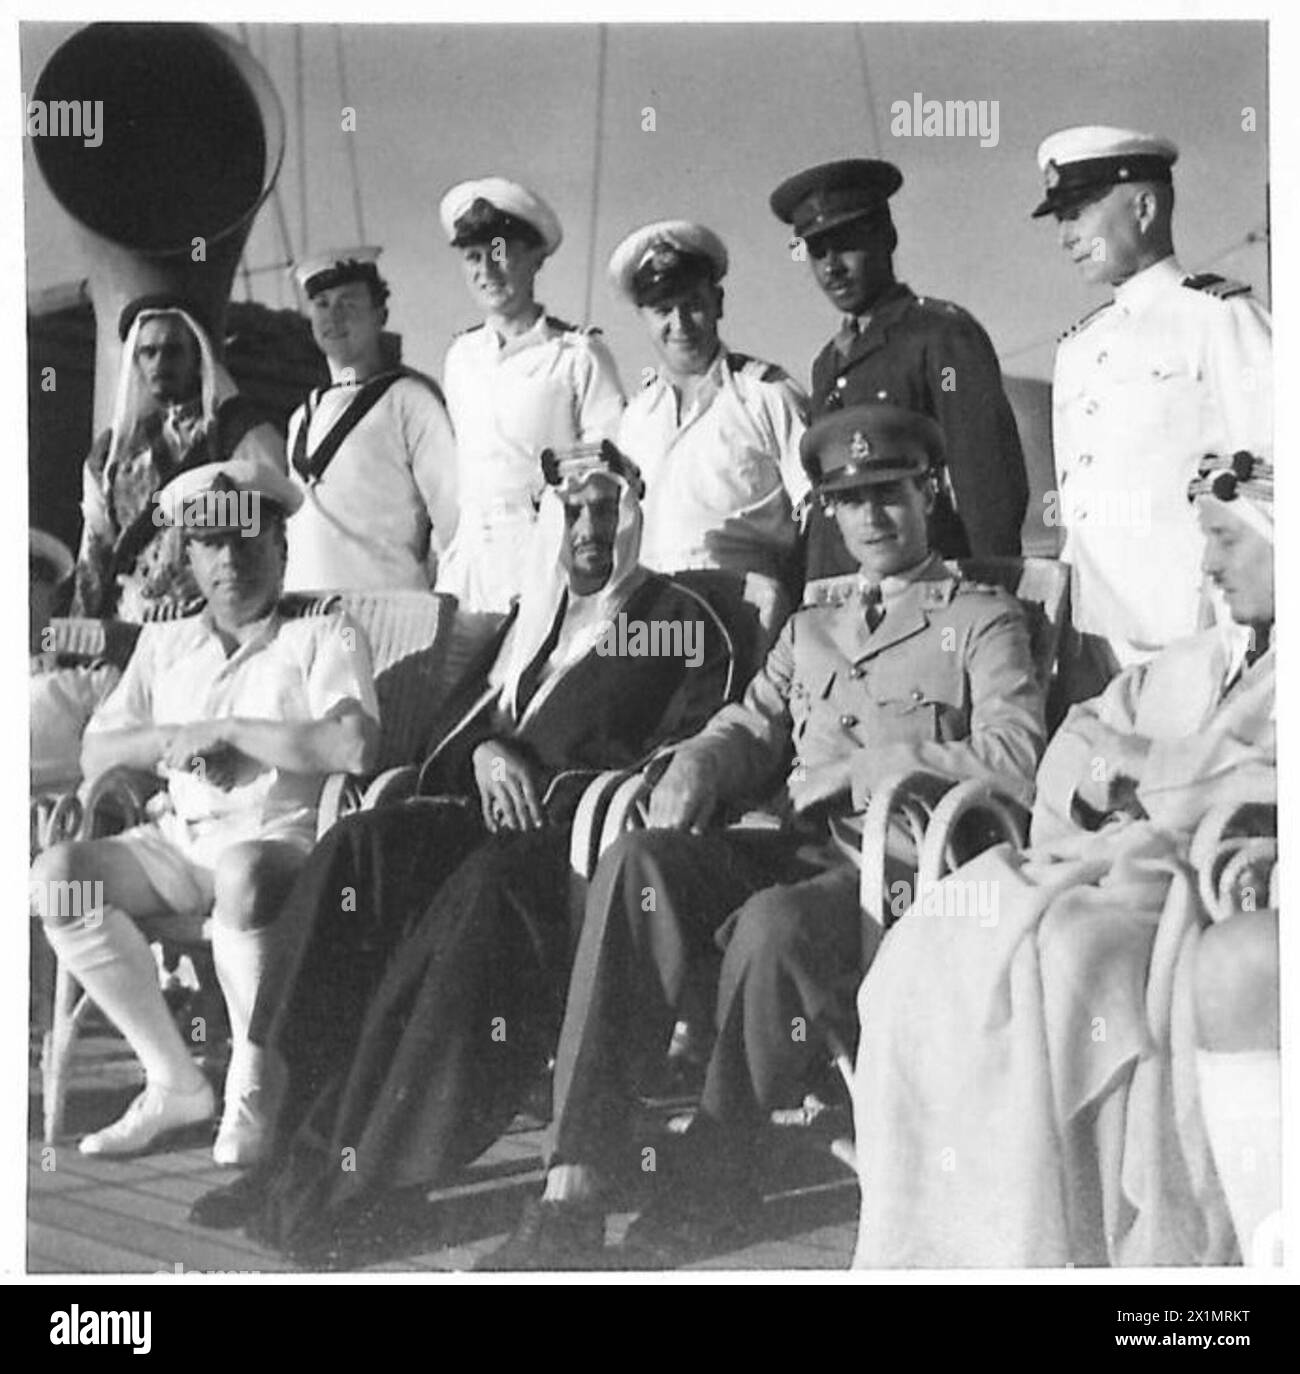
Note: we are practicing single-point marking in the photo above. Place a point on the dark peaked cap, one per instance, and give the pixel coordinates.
(835, 193)
(868, 444)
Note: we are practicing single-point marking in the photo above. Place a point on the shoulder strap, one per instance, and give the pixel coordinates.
(1214, 285)
(754, 367)
(311, 468)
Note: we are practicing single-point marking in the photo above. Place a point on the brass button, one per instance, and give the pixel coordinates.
(859, 671)
(917, 694)
(1091, 408)
(1085, 459)
(1102, 356)
(848, 722)
(841, 382)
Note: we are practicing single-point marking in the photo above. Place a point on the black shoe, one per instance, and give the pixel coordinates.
(682, 1226)
(225, 1208)
(551, 1235)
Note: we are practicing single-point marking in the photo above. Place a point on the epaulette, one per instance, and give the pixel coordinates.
(755, 367)
(566, 328)
(1214, 285)
(966, 584)
(162, 612)
(962, 582)
(940, 307)
(1083, 322)
(301, 605)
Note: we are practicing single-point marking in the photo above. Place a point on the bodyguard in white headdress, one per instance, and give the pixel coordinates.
(518, 383)
(174, 406)
(1171, 367)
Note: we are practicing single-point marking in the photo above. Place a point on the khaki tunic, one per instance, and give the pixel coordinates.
(945, 681)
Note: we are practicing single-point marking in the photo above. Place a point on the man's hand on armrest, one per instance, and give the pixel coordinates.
(344, 741)
(815, 785)
(687, 794)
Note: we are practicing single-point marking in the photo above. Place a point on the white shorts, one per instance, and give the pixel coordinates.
(179, 857)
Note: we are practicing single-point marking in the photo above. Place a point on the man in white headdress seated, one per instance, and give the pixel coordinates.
(1085, 1070)
(243, 711)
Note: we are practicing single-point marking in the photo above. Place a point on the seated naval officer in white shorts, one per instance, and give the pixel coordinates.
(244, 712)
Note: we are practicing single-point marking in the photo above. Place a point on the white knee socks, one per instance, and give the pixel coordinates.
(1241, 1101)
(110, 959)
(245, 960)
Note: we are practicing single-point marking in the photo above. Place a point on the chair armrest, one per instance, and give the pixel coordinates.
(1234, 849)
(345, 793)
(585, 838)
(906, 800)
(1007, 819)
(341, 795)
(390, 786)
(55, 818)
(119, 791)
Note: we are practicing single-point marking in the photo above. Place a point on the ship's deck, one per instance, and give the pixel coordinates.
(97, 1216)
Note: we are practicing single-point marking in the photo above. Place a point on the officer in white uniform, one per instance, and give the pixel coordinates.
(1173, 367)
(372, 453)
(716, 434)
(520, 382)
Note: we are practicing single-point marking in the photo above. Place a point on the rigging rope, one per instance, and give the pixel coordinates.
(352, 136)
(860, 43)
(597, 148)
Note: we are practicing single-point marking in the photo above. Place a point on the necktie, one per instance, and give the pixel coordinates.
(873, 608)
(847, 336)
(530, 678)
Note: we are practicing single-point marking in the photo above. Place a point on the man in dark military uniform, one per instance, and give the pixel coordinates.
(914, 351)
(913, 668)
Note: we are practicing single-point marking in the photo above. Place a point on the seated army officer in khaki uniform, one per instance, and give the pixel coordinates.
(913, 668)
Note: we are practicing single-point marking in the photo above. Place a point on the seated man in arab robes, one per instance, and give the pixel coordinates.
(1092, 1074)
(428, 989)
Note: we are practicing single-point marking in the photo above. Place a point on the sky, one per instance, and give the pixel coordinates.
(734, 109)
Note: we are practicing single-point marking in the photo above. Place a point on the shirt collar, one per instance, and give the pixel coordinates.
(1142, 286)
(710, 383)
(264, 631)
(897, 583)
(890, 299)
(537, 332)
